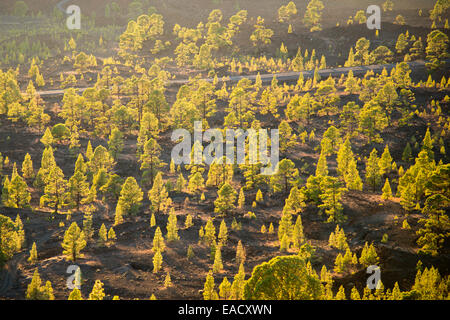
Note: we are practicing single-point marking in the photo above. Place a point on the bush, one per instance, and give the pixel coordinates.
(60, 132)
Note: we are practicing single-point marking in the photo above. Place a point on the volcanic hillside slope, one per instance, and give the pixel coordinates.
(365, 154)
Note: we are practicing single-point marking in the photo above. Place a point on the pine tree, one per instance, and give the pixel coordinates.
(210, 232)
(102, 236)
(372, 170)
(237, 288)
(212, 251)
(78, 185)
(354, 295)
(196, 160)
(34, 289)
(201, 235)
(75, 295)
(338, 239)
(55, 190)
(74, 139)
(416, 50)
(47, 139)
(298, 236)
(349, 260)
(331, 199)
(223, 234)
(287, 138)
(158, 241)
(111, 235)
(87, 226)
(351, 59)
(368, 256)
(47, 291)
(33, 254)
(225, 289)
(241, 199)
(18, 195)
(172, 167)
(344, 156)
(313, 15)
(37, 292)
(20, 233)
(330, 141)
(15, 172)
(263, 229)
(427, 144)
(112, 186)
(188, 222)
(149, 128)
(97, 292)
(405, 225)
(118, 216)
(5, 192)
(351, 83)
(259, 196)
(408, 196)
(324, 274)
(436, 50)
(115, 143)
(225, 200)
(240, 253)
(341, 294)
(252, 173)
(402, 43)
(407, 153)
(401, 172)
(372, 119)
(27, 167)
(285, 229)
(385, 162)
(286, 176)
(190, 253)
(387, 192)
(218, 266)
(296, 200)
(167, 280)
(150, 162)
(152, 220)
(172, 228)
(98, 183)
(131, 196)
(196, 182)
(101, 160)
(180, 183)
(74, 241)
(322, 168)
(235, 225)
(396, 293)
(89, 151)
(352, 179)
(158, 194)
